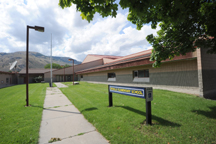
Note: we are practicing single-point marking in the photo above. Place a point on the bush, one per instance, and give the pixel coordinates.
(38, 79)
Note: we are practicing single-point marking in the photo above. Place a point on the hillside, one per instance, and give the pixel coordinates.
(36, 60)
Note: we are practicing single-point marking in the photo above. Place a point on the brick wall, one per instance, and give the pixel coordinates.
(206, 64)
(6, 79)
(175, 73)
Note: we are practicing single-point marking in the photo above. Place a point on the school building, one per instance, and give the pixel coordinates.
(193, 72)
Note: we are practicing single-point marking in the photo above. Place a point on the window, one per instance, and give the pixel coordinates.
(81, 76)
(141, 76)
(68, 78)
(141, 73)
(7, 80)
(135, 73)
(111, 75)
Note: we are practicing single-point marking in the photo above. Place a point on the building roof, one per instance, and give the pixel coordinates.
(91, 57)
(105, 56)
(35, 71)
(133, 57)
(3, 72)
(140, 58)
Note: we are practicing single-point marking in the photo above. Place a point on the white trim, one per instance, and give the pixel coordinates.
(136, 79)
(111, 79)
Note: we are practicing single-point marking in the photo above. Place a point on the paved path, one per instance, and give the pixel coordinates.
(60, 85)
(61, 119)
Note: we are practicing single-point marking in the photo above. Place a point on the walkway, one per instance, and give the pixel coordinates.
(60, 85)
(61, 119)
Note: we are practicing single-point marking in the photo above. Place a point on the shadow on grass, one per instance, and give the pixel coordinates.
(209, 114)
(160, 120)
(89, 109)
(37, 106)
(8, 86)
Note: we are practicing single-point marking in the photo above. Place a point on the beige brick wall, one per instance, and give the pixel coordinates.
(3, 81)
(181, 73)
(181, 65)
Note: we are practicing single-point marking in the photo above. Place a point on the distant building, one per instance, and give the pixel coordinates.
(32, 74)
(7, 79)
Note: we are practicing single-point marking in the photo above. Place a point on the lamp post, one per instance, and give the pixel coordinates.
(40, 29)
(73, 68)
(51, 63)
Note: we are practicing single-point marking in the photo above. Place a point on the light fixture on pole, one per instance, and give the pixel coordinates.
(73, 68)
(40, 29)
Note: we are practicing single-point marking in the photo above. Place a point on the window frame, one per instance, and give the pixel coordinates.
(7, 80)
(111, 75)
(137, 71)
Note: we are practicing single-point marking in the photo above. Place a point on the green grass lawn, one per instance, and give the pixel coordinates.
(54, 85)
(177, 117)
(20, 124)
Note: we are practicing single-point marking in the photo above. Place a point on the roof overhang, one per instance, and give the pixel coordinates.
(139, 61)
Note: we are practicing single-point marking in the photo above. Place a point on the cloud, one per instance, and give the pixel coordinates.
(71, 36)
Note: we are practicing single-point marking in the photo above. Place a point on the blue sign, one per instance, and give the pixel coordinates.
(131, 91)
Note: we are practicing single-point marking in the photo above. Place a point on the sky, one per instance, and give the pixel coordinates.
(71, 36)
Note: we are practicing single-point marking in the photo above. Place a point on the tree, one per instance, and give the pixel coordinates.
(54, 65)
(38, 79)
(185, 24)
(66, 65)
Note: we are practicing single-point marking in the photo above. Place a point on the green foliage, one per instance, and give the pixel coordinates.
(89, 7)
(66, 65)
(38, 79)
(185, 25)
(54, 65)
(20, 124)
(177, 117)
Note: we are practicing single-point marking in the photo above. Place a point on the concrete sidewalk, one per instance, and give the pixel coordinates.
(61, 119)
(60, 85)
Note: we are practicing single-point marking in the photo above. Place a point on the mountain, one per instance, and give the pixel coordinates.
(36, 60)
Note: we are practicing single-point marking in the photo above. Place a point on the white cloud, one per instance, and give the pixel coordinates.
(72, 36)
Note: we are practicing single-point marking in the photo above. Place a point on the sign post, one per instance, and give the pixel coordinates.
(110, 98)
(140, 92)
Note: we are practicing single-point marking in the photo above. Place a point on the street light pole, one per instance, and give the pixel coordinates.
(40, 29)
(27, 77)
(51, 63)
(73, 72)
(73, 68)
